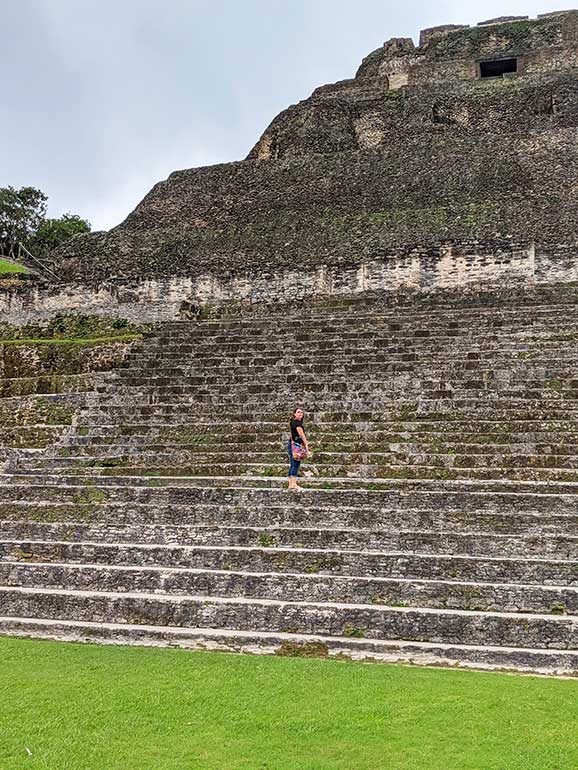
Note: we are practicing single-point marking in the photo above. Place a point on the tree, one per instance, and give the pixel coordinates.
(23, 221)
(21, 214)
(52, 232)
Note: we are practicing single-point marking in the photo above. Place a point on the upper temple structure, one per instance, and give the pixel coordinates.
(450, 162)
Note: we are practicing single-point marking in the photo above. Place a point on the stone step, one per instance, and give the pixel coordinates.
(556, 299)
(494, 318)
(188, 409)
(521, 351)
(512, 363)
(392, 592)
(549, 379)
(381, 358)
(267, 437)
(548, 329)
(346, 449)
(437, 414)
(472, 543)
(319, 464)
(265, 514)
(359, 470)
(436, 494)
(386, 564)
(327, 619)
(290, 362)
(204, 429)
(505, 402)
(370, 396)
(539, 661)
(367, 328)
(204, 414)
(205, 337)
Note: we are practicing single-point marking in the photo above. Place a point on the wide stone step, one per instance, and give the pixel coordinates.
(472, 543)
(514, 404)
(521, 354)
(436, 414)
(369, 399)
(490, 379)
(348, 450)
(215, 361)
(482, 569)
(283, 365)
(524, 351)
(487, 431)
(370, 332)
(327, 619)
(355, 471)
(405, 321)
(266, 515)
(558, 300)
(343, 346)
(364, 464)
(206, 438)
(504, 495)
(204, 416)
(325, 447)
(540, 661)
(369, 329)
(391, 592)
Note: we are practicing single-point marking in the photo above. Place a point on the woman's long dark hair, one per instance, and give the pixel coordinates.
(297, 408)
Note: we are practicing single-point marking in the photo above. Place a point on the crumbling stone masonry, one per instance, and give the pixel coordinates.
(398, 254)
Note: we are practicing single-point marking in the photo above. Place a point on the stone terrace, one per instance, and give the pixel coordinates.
(439, 524)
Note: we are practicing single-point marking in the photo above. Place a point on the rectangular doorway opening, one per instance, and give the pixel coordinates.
(498, 68)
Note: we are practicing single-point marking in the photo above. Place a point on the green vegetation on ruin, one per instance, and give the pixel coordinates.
(71, 327)
(71, 341)
(162, 708)
(11, 267)
(522, 34)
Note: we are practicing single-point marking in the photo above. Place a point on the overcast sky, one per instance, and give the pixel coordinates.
(103, 98)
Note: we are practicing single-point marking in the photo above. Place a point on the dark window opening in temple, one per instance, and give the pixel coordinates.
(497, 68)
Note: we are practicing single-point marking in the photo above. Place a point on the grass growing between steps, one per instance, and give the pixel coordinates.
(11, 267)
(77, 707)
(71, 341)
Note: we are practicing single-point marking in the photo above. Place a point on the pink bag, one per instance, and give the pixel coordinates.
(298, 451)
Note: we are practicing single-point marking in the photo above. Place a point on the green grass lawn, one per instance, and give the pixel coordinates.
(78, 707)
(11, 267)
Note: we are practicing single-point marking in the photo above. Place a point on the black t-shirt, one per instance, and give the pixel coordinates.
(294, 435)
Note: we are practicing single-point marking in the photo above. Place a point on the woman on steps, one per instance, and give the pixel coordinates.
(297, 448)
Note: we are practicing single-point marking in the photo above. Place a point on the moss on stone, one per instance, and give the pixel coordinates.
(290, 649)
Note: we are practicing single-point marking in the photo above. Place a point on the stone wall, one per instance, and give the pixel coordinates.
(49, 367)
(465, 266)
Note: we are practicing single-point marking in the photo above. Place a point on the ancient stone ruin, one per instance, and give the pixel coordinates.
(399, 254)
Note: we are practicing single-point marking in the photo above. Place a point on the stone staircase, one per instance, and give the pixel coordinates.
(439, 524)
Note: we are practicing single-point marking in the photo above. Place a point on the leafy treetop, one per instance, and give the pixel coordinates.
(23, 221)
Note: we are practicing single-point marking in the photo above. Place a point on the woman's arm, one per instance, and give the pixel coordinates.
(302, 435)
